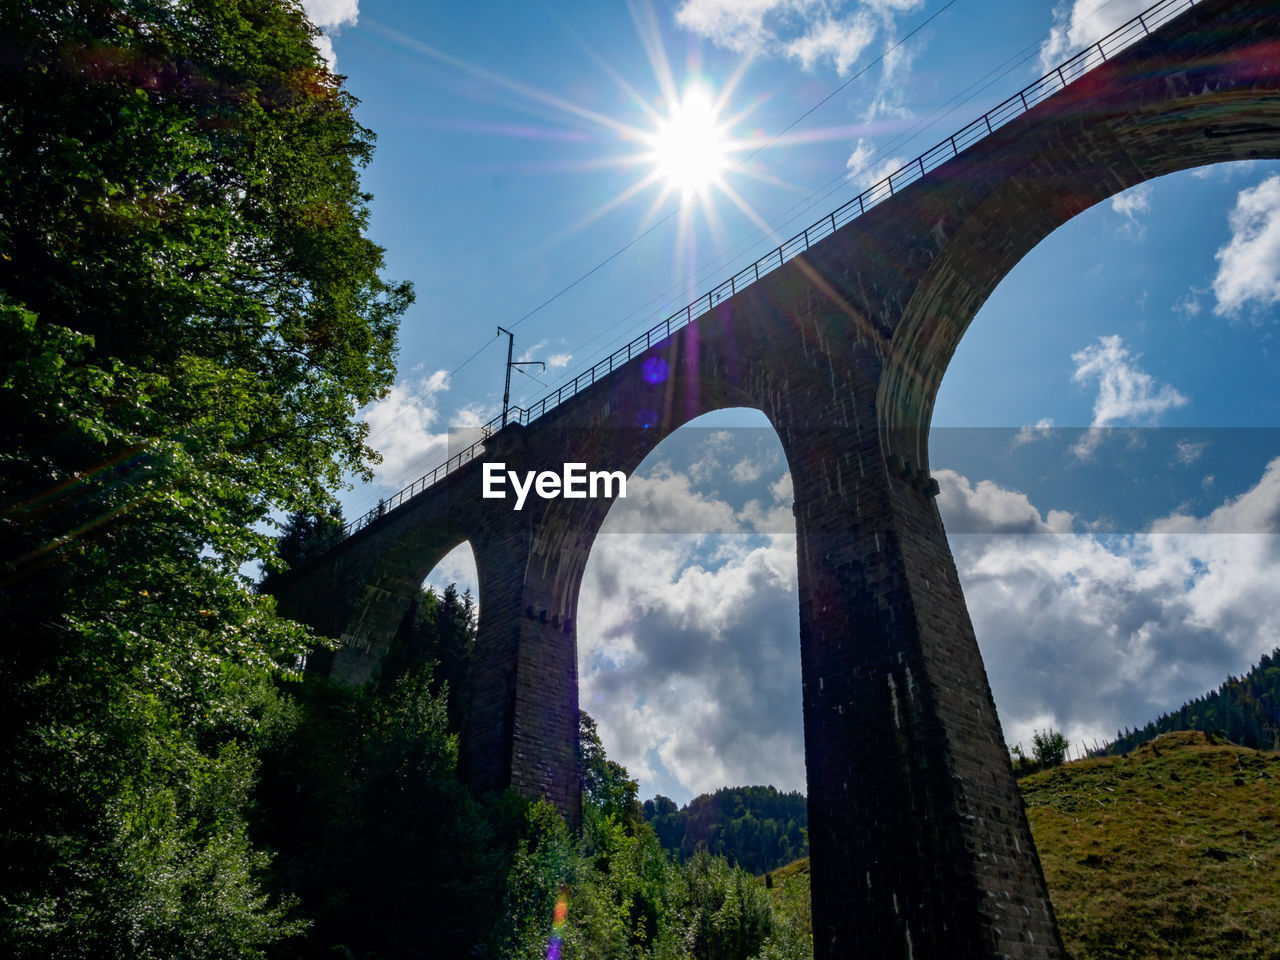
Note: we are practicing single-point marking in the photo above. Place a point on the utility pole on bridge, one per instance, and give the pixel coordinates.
(506, 390)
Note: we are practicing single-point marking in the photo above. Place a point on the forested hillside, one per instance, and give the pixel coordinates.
(1244, 710)
(757, 828)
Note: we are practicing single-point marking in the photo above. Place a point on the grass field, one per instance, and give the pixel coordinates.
(1170, 853)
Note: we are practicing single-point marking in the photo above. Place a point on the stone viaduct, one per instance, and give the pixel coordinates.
(919, 844)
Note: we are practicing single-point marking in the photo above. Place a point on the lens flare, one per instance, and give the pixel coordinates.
(557, 924)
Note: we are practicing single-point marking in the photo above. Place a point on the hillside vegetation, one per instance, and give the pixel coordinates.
(1172, 851)
(755, 828)
(1169, 853)
(1244, 710)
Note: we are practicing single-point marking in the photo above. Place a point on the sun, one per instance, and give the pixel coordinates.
(690, 148)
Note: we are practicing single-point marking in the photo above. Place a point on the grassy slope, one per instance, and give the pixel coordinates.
(1170, 853)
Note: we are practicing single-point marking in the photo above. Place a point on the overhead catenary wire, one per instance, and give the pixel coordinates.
(634, 240)
(414, 402)
(838, 181)
(813, 199)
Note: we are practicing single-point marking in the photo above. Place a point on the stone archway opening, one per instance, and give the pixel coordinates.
(1054, 481)
(688, 625)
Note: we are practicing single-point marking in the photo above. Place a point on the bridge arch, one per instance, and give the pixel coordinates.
(1115, 146)
(689, 618)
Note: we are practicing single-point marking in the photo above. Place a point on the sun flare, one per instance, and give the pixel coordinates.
(691, 147)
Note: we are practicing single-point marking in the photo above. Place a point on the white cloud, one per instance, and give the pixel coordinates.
(990, 508)
(1249, 264)
(1257, 510)
(458, 567)
(1092, 633)
(688, 649)
(1031, 434)
(558, 360)
(864, 170)
(1188, 452)
(331, 16)
(1077, 25)
(1132, 202)
(746, 470)
(663, 501)
(809, 31)
(553, 362)
(690, 663)
(840, 41)
(400, 428)
(1125, 391)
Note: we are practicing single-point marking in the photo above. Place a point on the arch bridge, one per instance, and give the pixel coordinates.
(841, 337)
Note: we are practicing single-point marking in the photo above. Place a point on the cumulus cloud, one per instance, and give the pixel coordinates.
(330, 16)
(990, 508)
(405, 427)
(688, 643)
(809, 31)
(1092, 633)
(1078, 24)
(690, 662)
(746, 470)
(1249, 264)
(1257, 510)
(1126, 392)
(459, 568)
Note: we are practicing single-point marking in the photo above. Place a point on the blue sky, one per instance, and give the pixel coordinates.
(1104, 438)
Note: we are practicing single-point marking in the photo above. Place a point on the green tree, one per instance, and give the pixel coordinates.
(308, 534)
(190, 316)
(605, 783)
(439, 630)
(1049, 748)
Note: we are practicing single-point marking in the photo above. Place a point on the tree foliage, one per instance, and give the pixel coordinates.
(605, 783)
(190, 315)
(1244, 710)
(1049, 748)
(757, 828)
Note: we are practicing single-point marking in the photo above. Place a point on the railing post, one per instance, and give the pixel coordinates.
(833, 221)
(1143, 24)
(861, 206)
(1061, 78)
(920, 160)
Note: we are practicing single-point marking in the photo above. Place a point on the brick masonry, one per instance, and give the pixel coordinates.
(919, 845)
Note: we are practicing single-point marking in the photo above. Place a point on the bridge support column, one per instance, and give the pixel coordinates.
(522, 728)
(919, 844)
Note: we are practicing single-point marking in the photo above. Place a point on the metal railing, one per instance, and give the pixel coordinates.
(1022, 101)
